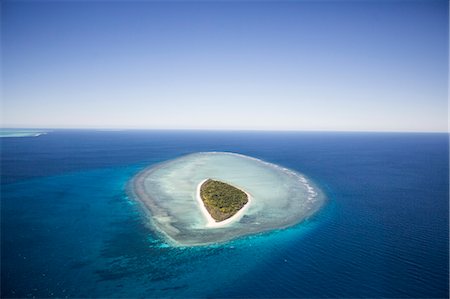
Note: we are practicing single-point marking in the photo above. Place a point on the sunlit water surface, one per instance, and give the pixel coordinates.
(69, 228)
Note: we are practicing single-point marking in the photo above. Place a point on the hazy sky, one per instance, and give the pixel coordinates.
(290, 65)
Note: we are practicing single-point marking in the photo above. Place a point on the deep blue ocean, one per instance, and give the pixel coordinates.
(68, 228)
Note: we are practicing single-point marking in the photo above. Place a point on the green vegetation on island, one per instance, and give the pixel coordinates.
(222, 200)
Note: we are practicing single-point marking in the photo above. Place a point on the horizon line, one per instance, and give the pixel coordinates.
(218, 130)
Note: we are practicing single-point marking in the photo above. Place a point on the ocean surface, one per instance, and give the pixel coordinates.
(69, 229)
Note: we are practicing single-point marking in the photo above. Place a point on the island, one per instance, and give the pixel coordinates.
(213, 197)
(222, 200)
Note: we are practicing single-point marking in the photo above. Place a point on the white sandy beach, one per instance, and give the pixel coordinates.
(211, 223)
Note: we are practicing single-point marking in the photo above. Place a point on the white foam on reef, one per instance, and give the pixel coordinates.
(20, 133)
(278, 197)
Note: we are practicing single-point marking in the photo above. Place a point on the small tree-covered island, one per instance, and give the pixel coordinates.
(222, 200)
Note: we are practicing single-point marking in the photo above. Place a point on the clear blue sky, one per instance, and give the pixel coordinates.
(290, 65)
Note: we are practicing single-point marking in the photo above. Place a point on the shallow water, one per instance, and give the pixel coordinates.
(279, 197)
(9, 133)
(68, 227)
